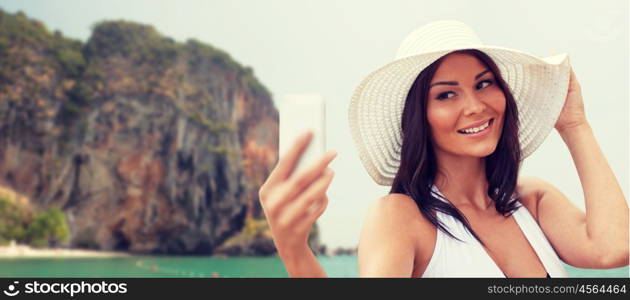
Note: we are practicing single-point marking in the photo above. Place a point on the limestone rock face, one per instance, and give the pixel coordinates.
(147, 144)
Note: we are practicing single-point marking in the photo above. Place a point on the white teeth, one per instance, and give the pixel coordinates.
(476, 129)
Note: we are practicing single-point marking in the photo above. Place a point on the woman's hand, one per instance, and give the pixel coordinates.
(572, 113)
(293, 202)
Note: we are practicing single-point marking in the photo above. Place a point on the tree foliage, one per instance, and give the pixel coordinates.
(13, 221)
(48, 228)
(44, 229)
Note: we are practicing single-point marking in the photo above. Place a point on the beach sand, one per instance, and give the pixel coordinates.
(14, 250)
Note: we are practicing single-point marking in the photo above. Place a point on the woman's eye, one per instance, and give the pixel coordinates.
(445, 95)
(484, 84)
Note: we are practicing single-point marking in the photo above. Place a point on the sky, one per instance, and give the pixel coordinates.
(328, 46)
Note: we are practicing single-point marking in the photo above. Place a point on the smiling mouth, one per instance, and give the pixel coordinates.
(477, 129)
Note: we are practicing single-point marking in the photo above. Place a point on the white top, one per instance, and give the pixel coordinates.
(452, 258)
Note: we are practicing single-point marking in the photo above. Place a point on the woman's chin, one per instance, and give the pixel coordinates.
(481, 151)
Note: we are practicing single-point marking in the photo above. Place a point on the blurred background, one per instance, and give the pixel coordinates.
(134, 135)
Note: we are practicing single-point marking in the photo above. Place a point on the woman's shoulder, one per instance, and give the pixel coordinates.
(399, 205)
(406, 219)
(402, 212)
(390, 242)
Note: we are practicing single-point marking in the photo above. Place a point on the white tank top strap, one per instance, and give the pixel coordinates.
(468, 258)
(539, 242)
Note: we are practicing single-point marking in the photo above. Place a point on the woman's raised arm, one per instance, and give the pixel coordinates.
(292, 203)
(605, 226)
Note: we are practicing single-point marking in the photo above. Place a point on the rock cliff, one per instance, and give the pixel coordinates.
(147, 144)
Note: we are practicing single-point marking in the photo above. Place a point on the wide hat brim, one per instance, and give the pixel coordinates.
(539, 87)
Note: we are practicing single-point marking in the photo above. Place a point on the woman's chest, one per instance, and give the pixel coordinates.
(507, 245)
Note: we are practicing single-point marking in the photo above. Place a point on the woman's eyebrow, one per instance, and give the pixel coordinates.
(481, 74)
(455, 82)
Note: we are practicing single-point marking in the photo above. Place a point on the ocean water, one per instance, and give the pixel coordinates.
(187, 266)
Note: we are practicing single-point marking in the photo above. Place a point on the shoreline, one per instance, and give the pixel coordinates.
(24, 251)
(14, 250)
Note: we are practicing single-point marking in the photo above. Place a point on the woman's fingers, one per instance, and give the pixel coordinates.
(287, 190)
(312, 214)
(277, 198)
(301, 180)
(288, 160)
(574, 84)
(284, 192)
(308, 203)
(319, 208)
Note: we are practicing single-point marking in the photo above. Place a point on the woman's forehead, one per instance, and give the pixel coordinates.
(459, 66)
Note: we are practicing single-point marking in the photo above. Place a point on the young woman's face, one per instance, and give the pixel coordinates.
(465, 107)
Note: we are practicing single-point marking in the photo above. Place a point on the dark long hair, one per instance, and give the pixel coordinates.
(418, 165)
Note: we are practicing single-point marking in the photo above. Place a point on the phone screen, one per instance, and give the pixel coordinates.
(299, 112)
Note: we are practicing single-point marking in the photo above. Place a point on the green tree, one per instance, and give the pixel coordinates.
(12, 221)
(48, 228)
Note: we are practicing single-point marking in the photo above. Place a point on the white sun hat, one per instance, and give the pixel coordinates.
(539, 86)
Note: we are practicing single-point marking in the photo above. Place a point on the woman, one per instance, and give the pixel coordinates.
(447, 125)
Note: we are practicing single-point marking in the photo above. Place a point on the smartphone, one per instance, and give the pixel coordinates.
(299, 112)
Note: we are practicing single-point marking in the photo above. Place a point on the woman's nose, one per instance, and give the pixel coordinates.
(473, 104)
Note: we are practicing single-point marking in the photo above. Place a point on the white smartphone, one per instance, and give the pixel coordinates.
(299, 112)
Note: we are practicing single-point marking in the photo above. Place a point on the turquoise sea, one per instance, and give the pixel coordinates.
(187, 266)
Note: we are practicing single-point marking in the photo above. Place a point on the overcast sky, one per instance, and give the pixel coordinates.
(327, 47)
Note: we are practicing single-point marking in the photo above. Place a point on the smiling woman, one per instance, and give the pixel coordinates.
(438, 131)
(470, 106)
(447, 125)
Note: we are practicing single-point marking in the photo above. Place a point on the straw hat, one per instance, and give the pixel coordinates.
(539, 87)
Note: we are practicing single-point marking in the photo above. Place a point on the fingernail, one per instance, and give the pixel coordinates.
(306, 133)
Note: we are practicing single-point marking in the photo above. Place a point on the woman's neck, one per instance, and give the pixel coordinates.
(462, 180)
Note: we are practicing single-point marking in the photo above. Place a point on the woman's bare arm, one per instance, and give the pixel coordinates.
(599, 238)
(303, 263)
(387, 244)
(388, 240)
(292, 202)
(606, 222)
